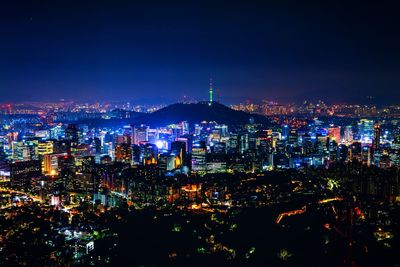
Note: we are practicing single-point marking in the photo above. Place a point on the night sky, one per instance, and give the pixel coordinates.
(149, 51)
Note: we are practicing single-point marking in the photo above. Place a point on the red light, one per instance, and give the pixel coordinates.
(357, 210)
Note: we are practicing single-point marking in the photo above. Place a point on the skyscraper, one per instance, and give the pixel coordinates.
(140, 134)
(348, 134)
(377, 136)
(71, 133)
(199, 151)
(366, 130)
(123, 153)
(178, 148)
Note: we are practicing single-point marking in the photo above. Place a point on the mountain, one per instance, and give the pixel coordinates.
(198, 112)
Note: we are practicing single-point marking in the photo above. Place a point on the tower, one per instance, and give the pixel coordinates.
(211, 93)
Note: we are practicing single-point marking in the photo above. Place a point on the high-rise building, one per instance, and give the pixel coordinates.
(127, 134)
(153, 136)
(136, 154)
(166, 162)
(293, 137)
(71, 133)
(123, 153)
(366, 155)
(88, 164)
(149, 153)
(178, 148)
(334, 134)
(366, 130)
(348, 134)
(233, 143)
(377, 137)
(140, 134)
(24, 171)
(199, 152)
(51, 164)
(12, 137)
(21, 152)
(57, 132)
(45, 147)
(285, 132)
(185, 127)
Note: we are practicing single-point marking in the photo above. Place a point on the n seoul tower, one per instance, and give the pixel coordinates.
(211, 93)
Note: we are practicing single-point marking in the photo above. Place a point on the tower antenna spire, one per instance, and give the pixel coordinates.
(210, 93)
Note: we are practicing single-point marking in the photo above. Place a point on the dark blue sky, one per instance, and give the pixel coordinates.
(126, 50)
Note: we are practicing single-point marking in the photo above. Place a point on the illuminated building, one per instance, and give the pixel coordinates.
(366, 155)
(55, 200)
(140, 134)
(366, 130)
(179, 149)
(71, 133)
(218, 148)
(136, 154)
(105, 159)
(79, 152)
(243, 142)
(222, 129)
(216, 167)
(377, 137)
(199, 152)
(264, 145)
(334, 134)
(21, 173)
(42, 134)
(166, 162)
(21, 152)
(268, 163)
(108, 148)
(322, 144)
(126, 137)
(121, 139)
(385, 162)
(51, 163)
(96, 146)
(348, 134)
(293, 137)
(61, 146)
(233, 143)
(285, 132)
(45, 147)
(355, 151)
(88, 164)
(152, 136)
(185, 127)
(197, 129)
(342, 152)
(57, 132)
(11, 137)
(123, 153)
(149, 153)
(187, 140)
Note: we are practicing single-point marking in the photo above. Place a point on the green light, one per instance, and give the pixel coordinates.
(211, 92)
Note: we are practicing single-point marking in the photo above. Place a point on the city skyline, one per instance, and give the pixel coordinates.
(210, 133)
(284, 52)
